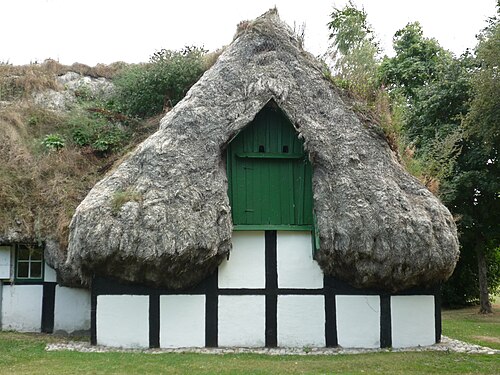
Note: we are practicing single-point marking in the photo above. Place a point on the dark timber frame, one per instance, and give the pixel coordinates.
(209, 288)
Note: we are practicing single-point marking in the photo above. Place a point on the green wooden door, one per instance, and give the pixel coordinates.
(270, 177)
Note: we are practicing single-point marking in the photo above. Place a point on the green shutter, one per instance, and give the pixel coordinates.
(270, 177)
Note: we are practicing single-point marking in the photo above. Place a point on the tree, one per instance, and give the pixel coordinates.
(484, 115)
(353, 49)
(436, 91)
(438, 106)
(473, 195)
(451, 120)
(418, 61)
(449, 123)
(476, 181)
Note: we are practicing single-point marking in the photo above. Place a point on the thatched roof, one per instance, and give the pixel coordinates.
(378, 226)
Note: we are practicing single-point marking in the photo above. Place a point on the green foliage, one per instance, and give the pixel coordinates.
(109, 139)
(432, 123)
(440, 155)
(484, 115)
(349, 29)
(418, 61)
(353, 50)
(40, 190)
(84, 94)
(92, 130)
(53, 142)
(473, 191)
(463, 287)
(440, 104)
(451, 126)
(146, 89)
(436, 89)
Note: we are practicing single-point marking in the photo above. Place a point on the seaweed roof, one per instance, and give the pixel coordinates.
(378, 226)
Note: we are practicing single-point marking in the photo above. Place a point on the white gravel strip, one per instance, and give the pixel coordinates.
(446, 345)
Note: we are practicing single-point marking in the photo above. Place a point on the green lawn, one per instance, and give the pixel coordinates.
(24, 354)
(467, 325)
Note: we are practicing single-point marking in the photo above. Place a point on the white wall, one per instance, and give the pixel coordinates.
(301, 321)
(22, 307)
(246, 265)
(242, 321)
(358, 321)
(5, 252)
(71, 310)
(182, 321)
(413, 321)
(49, 274)
(296, 266)
(123, 321)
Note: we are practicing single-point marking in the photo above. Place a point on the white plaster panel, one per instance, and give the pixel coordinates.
(22, 307)
(71, 309)
(301, 321)
(49, 274)
(182, 321)
(412, 321)
(123, 321)
(296, 266)
(358, 321)
(246, 265)
(5, 262)
(242, 321)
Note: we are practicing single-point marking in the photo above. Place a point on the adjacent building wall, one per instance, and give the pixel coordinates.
(42, 305)
(22, 307)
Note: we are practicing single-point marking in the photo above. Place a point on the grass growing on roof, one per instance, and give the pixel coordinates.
(123, 196)
(49, 160)
(48, 163)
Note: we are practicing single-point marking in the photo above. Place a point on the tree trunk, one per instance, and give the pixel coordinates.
(484, 297)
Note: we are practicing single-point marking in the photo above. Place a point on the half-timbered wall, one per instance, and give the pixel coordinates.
(40, 305)
(270, 292)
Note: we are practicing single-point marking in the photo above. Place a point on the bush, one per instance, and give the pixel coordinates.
(108, 139)
(145, 90)
(53, 142)
(91, 130)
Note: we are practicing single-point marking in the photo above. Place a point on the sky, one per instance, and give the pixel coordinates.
(105, 31)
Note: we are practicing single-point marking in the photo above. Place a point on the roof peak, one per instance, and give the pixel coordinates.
(270, 16)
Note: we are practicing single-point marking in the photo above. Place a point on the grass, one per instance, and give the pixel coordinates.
(123, 196)
(467, 325)
(21, 81)
(25, 354)
(50, 160)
